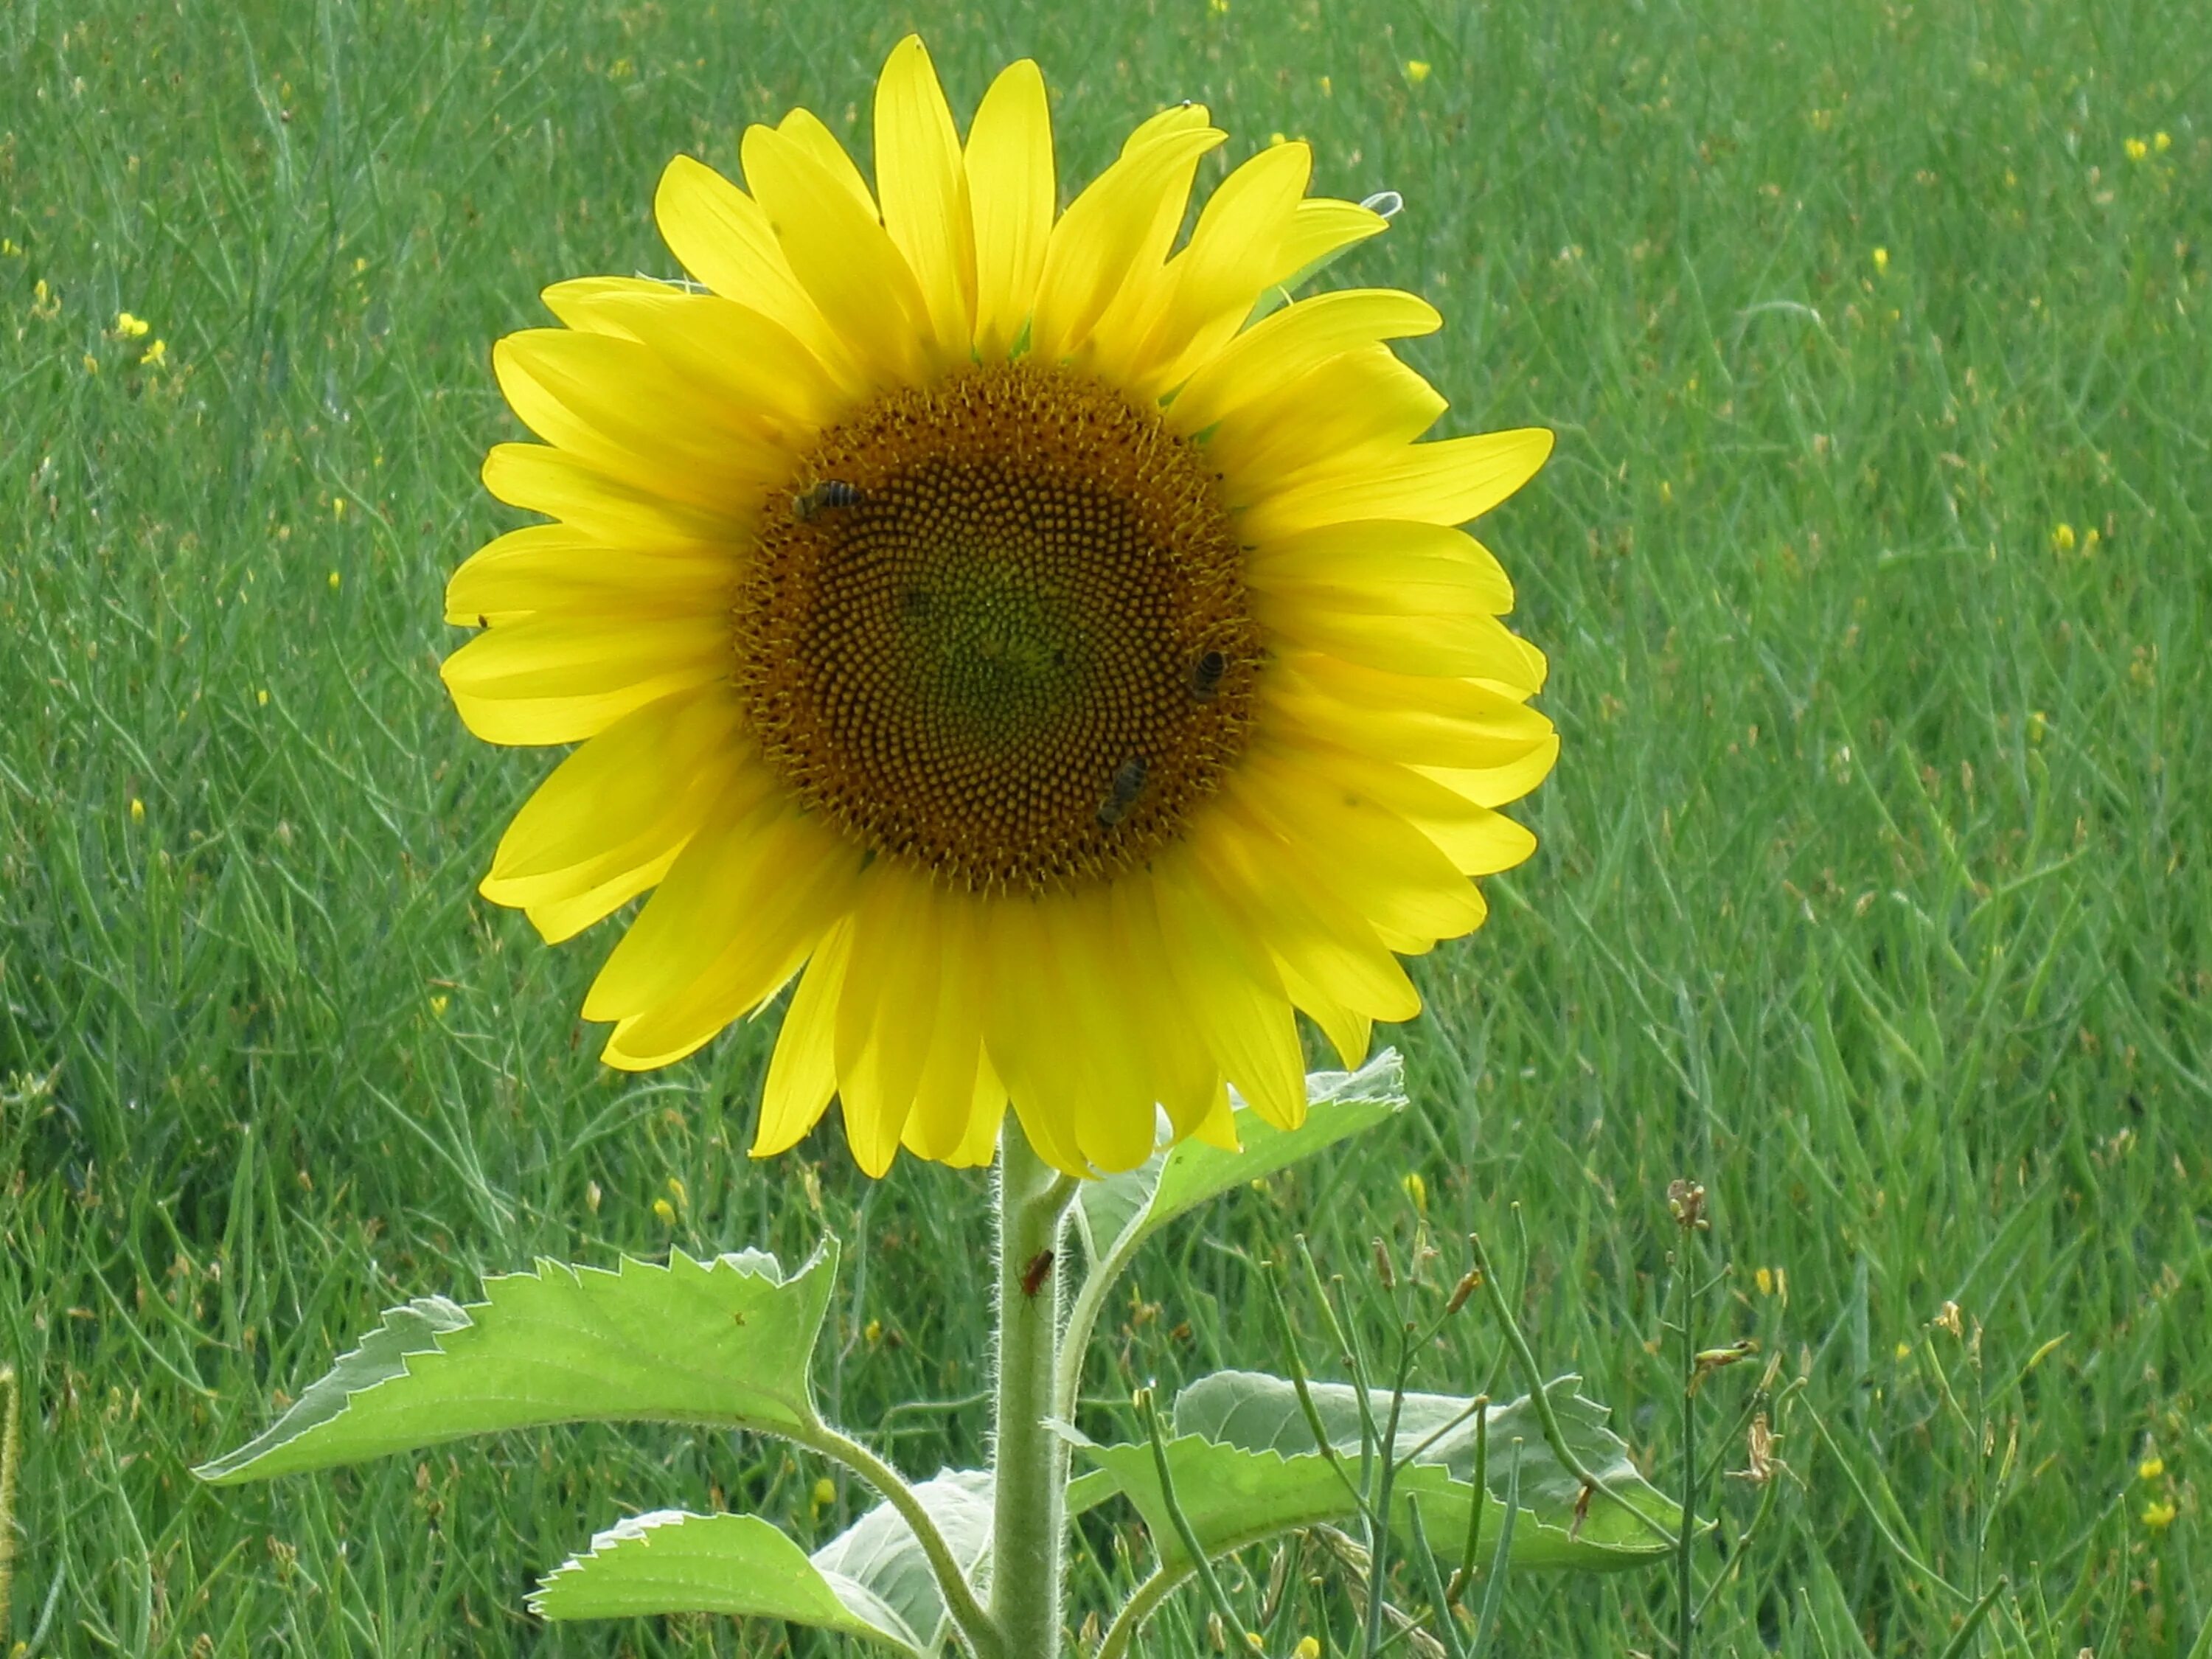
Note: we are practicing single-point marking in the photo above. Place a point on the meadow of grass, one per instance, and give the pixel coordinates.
(1872, 566)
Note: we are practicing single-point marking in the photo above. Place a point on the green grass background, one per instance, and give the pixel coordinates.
(1872, 891)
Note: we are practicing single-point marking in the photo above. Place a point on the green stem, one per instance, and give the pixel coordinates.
(1028, 1461)
(967, 1612)
(10, 1447)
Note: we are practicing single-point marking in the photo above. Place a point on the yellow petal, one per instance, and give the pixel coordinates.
(1215, 279)
(1359, 403)
(1445, 482)
(1268, 883)
(918, 170)
(802, 1075)
(610, 401)
(1477, 647)
(1022, 1034)
(724, 237)
(942, 1121)
(1276, 351)
(1114, 236)
(562, 918)
(754, 890)
(843, 256)
(1320, 226)
(1429, 722)
(728, 355)
(1478, 841)
(804, 128)
(882, 1023)
(546, 567)
(642, 785)
(1363, 564)
(1494, 785)
(1187, 1082)
(605, 506)
(1011, 185)
(1369, 855)
(558, 680)
(1233, 995)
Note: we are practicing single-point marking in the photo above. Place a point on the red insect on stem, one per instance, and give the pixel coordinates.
(1033, 1275)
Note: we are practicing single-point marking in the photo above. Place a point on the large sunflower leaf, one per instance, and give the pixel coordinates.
(726, 1341)
(1119, 1212)
(871, 1580)
(1245, 1466)
(671, 1562)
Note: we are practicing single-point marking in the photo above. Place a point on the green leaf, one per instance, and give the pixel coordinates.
(725, 1342)
(672, 1562)
(879, 1551)
(1246, 1465)
(871, 1581)
(1118, 1213)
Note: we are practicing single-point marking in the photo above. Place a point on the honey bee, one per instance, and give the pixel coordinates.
(815, 498)
(1121, 795)
(1206, 676)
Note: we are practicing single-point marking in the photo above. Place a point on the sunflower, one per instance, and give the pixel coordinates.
(1049, 645)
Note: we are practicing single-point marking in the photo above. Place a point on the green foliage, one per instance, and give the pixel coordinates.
(869, 1582)
(1117, 1214)
(723, 1342)
(1245, 1466)
(1868, 891)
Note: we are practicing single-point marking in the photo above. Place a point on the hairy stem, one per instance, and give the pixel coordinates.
(1028, 1461)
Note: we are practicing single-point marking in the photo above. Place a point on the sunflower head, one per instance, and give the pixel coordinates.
(1050, 646)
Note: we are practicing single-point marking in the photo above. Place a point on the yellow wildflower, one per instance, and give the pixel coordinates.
(91, 364)
(2136, 150)
(675, 1191)
(665, 1211)
(126, 324)
(825, 1493)
(155, 353)
(2161, 141)
(2158, 1514)
(2062, 536)
(1416, 70)
(337, 507)
(1880, 260)
(1765, 1278)
(334, 581)
(1308, 1648)
(1418, 1190)
(137, 809)
(2151, 1468)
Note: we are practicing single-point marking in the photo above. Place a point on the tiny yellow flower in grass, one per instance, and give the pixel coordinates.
(2151, 1468)
(156, 355)
(1905, 1351)
(675, 1191)
(91, 364)
(1416, 70)
(334, 581)
(2062, 536)
(872, 1332)
(2158, 1514)
(137, 809)
(2161, 141)
(1308, 1648)
(2037, 724)
(1274, 138)
(1418, 1190)
(825, 1493)
(665, 1211)
(1219, 8)
(2136, 150)
(1665, 493)
(132, 327)
(1880, 260)
(1327, 90)
(439, 1003)
(337, 507)
(1764, 1279)
(965, 610)
(261, 698)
